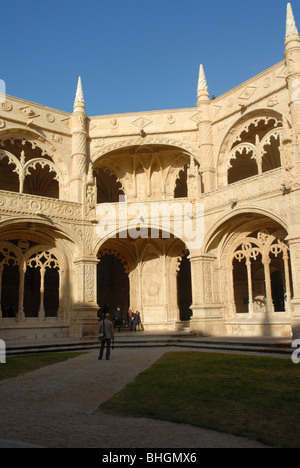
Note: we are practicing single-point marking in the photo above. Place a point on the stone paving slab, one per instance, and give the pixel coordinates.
(56, 406)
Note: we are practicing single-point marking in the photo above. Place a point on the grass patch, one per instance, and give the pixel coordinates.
(16, 365)
(249, 396)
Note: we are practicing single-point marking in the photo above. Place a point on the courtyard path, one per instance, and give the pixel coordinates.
(56, 406)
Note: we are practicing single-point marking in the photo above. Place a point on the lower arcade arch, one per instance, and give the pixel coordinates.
(261, 273)
(152, 276)
(33, 274)
(29, 286)
(112, 283)
(255, 274)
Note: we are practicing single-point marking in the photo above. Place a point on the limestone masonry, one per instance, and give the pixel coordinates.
(91, 208)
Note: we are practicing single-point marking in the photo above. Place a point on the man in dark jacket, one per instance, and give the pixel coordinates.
(106, 334)
(118, 317)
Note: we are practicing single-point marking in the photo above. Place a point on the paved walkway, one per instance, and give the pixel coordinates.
(56, 406)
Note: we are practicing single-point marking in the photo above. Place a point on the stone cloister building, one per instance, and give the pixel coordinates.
(236, 156)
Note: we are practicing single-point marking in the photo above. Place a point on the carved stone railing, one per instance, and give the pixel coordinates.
(255, 187)
(12, 203)
(247, 189)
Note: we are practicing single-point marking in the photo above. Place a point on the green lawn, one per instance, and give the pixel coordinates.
(16, 365)
(250, 396)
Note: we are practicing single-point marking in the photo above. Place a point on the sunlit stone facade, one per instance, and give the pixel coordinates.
(236, 156)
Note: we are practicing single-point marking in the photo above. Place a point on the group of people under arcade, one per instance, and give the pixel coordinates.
(133, 321)
(106, 326)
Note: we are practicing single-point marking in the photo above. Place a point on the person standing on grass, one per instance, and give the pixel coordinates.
(106, 334)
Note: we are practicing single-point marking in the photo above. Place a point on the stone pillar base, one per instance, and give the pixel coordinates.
(295, 322)
(84, 321)
(207, 320)
(296, 330)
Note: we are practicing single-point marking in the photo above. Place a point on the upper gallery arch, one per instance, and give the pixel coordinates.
(252, 146)
(30, 164)
(147, 171)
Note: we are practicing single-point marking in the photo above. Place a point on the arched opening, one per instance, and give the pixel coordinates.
(29, 279)
(41, 286)
(181, 187)
(278, 281)
(109, 188)
(271, 158)
(9, 180)
(255, 148)
(242, 167)
(240, 282)
(42, 182)
(261, 274)
(184, 289)
(25, 168)
(32, 288)
(149, 274)
(112, 284)
(256, 284)
(10, 291)
(142, 172)
(51, 298)
(277, 285)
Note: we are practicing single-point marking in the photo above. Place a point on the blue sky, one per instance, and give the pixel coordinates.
(136, 55)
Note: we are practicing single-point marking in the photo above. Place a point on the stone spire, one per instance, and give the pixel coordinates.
(292, 56)
(291, 28)
(79, 103)
(202, 84)
(79, 144)
(205, 132)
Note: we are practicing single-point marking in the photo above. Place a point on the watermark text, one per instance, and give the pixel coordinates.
(296, 353)
(2, 352)
(154, 219)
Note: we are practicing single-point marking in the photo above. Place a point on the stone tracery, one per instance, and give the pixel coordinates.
(19, 254)
(37, 173)
(261, 249)
(255, 149)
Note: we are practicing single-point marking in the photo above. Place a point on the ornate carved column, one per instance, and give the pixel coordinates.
(84, 311)
(207, 316)
(20, 317)
(205, 133)
(89, 196)
(21, 172)
(250, 290)
(41, 314)
(287, 280)
(61, 309)
(259, 154)
(134, 289)
(247, 252)
(268, 288)
(228, 290)
(294, 246)
(79, 145)
(193, 180)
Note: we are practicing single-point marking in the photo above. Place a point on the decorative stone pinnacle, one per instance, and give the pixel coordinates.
(202, 84)
(291, 28)
(79, 98)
